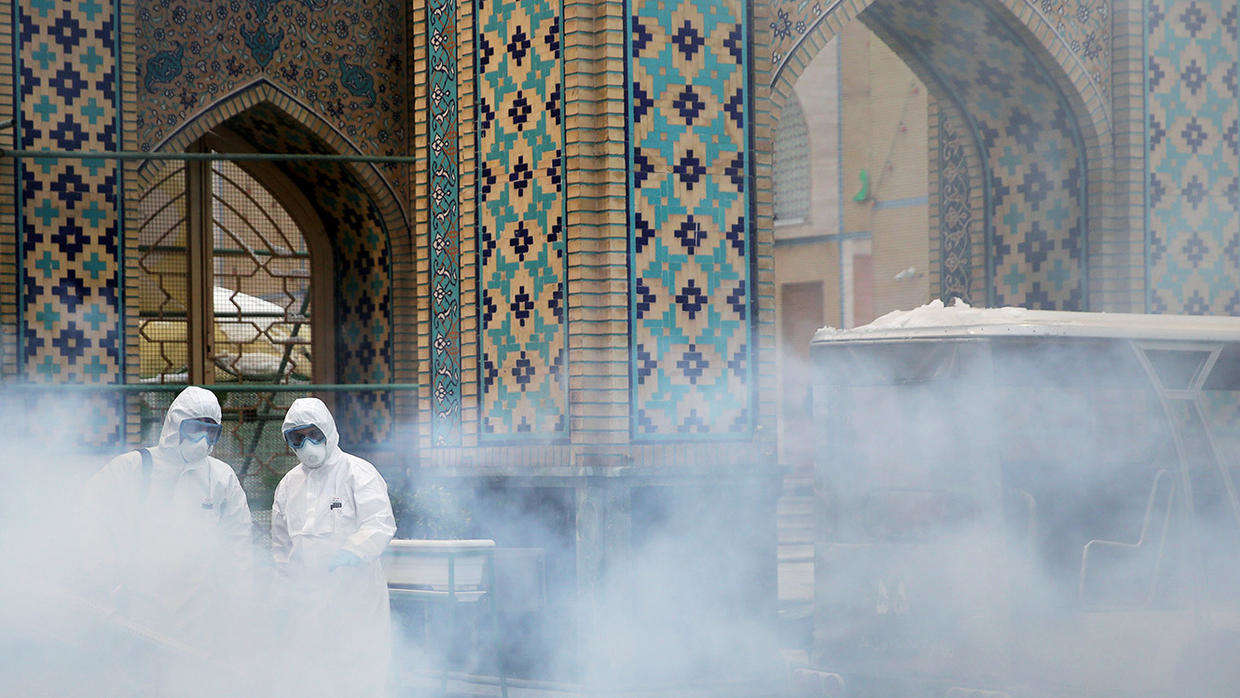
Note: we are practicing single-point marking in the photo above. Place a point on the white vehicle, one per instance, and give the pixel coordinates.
(1028, 503)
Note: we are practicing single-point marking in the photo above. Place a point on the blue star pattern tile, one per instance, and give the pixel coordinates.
(1031, 144)
(70, 209)
(521, 217)
(1194, 158)
(690, 220)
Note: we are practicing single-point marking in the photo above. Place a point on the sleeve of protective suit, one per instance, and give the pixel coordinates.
(281, 541)
(107, 503)
(236, 523)
(376, 524)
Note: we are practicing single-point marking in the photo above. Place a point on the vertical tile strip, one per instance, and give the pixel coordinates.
(444, 226)
(1194, 157)
(66, 81)
(521, 228)
(691, 231)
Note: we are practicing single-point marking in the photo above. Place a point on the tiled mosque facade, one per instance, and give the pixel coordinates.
(573, 267)
(480, 249)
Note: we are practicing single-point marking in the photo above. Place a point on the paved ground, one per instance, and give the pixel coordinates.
(796, 590)
(480, 687)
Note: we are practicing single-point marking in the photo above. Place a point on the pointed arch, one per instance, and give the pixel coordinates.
(365, 222)
(1009, 51)
(262, 91)
(1078, 47)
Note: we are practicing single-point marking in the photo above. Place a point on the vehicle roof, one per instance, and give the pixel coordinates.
(937, 321)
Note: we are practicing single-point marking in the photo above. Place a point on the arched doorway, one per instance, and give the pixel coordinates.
(231, 262)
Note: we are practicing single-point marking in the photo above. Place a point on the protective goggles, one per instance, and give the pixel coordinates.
(299, 435)
(199, 427)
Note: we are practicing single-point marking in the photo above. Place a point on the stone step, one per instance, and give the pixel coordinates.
(795, 538)
(799, 506)
(797, 485)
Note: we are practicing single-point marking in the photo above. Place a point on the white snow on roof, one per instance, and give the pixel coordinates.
(936, 320)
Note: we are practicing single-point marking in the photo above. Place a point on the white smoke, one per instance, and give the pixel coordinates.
(1024, 515)
(688, 603)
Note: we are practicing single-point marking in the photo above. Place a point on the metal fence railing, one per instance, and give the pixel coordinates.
(376, 422)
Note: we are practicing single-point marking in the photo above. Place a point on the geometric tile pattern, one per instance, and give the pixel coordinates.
(521, 213)
(1193, 133)
(1028, 135)
(445, 243)
(363, 265)
(69, 209)
(689, 220)
(955, 214)
(1084, 25)
(342, 59)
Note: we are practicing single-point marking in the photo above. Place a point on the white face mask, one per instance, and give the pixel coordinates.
(194, 451)
(312, 455)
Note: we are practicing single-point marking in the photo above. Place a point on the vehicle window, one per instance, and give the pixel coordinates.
(1214, 521)
(1086, 456)
(1221, 411)
(1176, 369)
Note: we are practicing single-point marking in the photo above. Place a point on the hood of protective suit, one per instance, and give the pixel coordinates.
(192, 403)
(306, 411)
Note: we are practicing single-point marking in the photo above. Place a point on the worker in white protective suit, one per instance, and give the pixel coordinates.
(330, 522)
(172, 531)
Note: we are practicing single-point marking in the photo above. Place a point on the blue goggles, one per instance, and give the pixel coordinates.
(297, 436)
(200, 427)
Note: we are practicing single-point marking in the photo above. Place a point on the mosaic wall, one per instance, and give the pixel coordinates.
(445, 247)
(363, 266)
(69, 214)
(1033, 149)
(690, 222)
(521, 211)
(1084, 25)
(1193, 137)
(343, 59)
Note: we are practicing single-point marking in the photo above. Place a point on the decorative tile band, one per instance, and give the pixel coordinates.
(690, 220)
(444, 226)
(521, 218)
(955, 213)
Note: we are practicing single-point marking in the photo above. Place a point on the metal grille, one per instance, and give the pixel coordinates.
(164, 281)
(261, 296)
(792, 164)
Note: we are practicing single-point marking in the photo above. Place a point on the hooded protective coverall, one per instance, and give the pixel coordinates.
(174, 547)
(339, 614)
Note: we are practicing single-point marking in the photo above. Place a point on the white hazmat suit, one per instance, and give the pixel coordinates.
(334, 506)
(174, 542)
